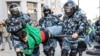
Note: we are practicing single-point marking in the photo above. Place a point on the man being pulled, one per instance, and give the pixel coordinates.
(31, 36)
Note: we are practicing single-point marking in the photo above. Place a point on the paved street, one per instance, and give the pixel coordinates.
(8, 52)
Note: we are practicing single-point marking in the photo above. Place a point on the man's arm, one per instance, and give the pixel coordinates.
(26, 19)
(8, 24)
(42, 24)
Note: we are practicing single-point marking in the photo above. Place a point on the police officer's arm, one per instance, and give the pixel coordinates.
(56, 19)
(11, 26)
(26, 19)
(83, 25)
(41, 23)
(8, 24)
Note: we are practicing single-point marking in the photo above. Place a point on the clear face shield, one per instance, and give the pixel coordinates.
(68, 10)
(14, 11)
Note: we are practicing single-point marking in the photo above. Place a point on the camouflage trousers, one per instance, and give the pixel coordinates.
(51, 43)
(67, 45)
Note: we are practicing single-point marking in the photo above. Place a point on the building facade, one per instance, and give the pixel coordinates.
(32, 7)
(54, 4)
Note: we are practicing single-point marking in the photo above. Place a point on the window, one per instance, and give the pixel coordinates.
(32, 10)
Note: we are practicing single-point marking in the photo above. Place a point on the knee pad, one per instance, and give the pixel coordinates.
(36, 49)
(19, 54)
(51, 51)
(64, 52)
(46, 52)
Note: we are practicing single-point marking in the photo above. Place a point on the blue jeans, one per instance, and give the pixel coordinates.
(91, 35)
(87, 40)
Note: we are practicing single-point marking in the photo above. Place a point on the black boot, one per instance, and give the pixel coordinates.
(73, 53)
(46, 53)
(64, 53)
(81, 47)
(80, 53)
(51, 51)
(19, 54)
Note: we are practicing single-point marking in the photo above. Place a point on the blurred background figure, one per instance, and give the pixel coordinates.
(5, 36)
(91, 32)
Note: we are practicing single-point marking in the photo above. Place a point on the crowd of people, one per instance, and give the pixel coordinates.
(74, 32)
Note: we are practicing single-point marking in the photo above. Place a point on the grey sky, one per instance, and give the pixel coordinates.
(89, 6)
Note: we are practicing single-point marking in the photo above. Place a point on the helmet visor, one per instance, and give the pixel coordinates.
(14, 10)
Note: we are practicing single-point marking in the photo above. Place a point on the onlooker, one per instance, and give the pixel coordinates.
(5, 36)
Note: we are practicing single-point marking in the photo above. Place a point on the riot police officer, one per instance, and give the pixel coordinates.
(15, 24)
(75, 25)
(48, 20)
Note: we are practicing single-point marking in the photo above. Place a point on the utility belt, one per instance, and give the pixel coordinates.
(69, 38)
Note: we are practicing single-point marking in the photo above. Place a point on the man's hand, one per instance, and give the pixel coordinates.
(18, 50)
(75, 35)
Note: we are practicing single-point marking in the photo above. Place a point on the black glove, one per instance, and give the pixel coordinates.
(23, 25)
